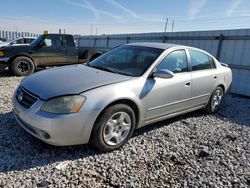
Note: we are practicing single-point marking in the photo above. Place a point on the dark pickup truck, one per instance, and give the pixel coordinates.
(46, 50)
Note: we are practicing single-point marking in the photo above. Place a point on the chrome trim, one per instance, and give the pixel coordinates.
(28, 93)
(208, 94)
(4, 59)
(173, 114)
(169, 104)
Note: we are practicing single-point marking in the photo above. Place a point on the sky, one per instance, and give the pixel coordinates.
(91, 17)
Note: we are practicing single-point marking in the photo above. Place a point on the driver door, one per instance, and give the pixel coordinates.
(169, 96)
(51, 51)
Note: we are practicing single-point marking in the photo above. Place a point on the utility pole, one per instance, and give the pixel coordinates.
(91, 29)
(166, 25)
(173, 26)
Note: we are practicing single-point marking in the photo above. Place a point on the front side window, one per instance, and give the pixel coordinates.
(51, 41)
(20, 41)
(47, 42)
(200, 61)
(127, 60)
(175, 62)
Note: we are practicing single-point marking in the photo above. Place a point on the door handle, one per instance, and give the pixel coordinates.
(187, 84)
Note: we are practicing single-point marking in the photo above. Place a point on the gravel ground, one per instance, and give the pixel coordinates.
(193, 150)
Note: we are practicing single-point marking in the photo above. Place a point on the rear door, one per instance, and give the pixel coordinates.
(70, 49)
(204, 76)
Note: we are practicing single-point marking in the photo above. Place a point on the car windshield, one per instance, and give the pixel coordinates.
(127, 60)
(37, 41)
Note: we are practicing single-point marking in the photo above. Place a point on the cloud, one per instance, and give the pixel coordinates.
(195, 7)
(121, 7)
(234, 4)
(97, 12)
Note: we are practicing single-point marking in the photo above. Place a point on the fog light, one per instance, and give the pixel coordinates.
(44, 134)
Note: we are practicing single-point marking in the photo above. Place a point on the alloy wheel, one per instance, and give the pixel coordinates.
(117, 128)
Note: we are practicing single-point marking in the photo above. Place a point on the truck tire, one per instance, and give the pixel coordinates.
(94, 56)
(22, 66)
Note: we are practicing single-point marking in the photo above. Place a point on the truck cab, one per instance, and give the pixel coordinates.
(46, 50)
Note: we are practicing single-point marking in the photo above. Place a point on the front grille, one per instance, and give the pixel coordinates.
(25, 98)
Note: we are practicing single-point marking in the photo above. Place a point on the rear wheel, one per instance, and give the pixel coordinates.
(113, 128)
(215, 100)
(22, 66)
(94, 57)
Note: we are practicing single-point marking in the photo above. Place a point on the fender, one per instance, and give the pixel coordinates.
(24, 55)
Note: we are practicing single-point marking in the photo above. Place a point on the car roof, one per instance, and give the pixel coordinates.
(163, 46)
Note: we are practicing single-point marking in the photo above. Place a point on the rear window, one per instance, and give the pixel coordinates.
(70, 41)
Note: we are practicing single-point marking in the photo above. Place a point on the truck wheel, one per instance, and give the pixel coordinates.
(94, 56)
(22, 66)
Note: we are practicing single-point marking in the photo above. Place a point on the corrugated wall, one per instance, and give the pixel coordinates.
(229, 46)
(12, 34)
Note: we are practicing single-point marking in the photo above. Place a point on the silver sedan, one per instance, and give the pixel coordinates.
(131, 86)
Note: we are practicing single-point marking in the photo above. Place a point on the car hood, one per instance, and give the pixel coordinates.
(68, 80)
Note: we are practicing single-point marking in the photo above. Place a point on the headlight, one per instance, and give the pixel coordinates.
(64, 105)
(1, 53)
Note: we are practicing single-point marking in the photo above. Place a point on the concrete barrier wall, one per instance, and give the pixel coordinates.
(229, 46)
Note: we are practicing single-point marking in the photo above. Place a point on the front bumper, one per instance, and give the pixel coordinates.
(54, 129)
(4, 59)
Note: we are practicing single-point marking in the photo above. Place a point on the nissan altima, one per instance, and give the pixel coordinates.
(128, 87)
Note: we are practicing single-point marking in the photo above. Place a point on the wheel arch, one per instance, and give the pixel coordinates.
(95, 55)
(132, 104)
(23, 55)
(222, 86)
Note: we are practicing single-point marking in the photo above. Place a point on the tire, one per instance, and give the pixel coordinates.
(215, 100)
(22, 66)
(113, 128)
(94, 57)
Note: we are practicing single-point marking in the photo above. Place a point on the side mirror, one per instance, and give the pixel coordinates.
(163, 73)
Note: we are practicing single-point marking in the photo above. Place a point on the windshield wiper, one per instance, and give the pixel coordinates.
(103, 68)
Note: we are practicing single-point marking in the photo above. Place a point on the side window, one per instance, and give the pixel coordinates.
(175, 62)
(70, 41)
(20, 41)
(47, 42)
(201, 61)
(51, 41)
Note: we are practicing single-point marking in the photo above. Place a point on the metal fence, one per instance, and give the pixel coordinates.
(12, 34)
(229, 46)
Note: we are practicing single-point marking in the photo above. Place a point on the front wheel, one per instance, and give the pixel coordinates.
(215, 100)
(113, 128)
(22, 66)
